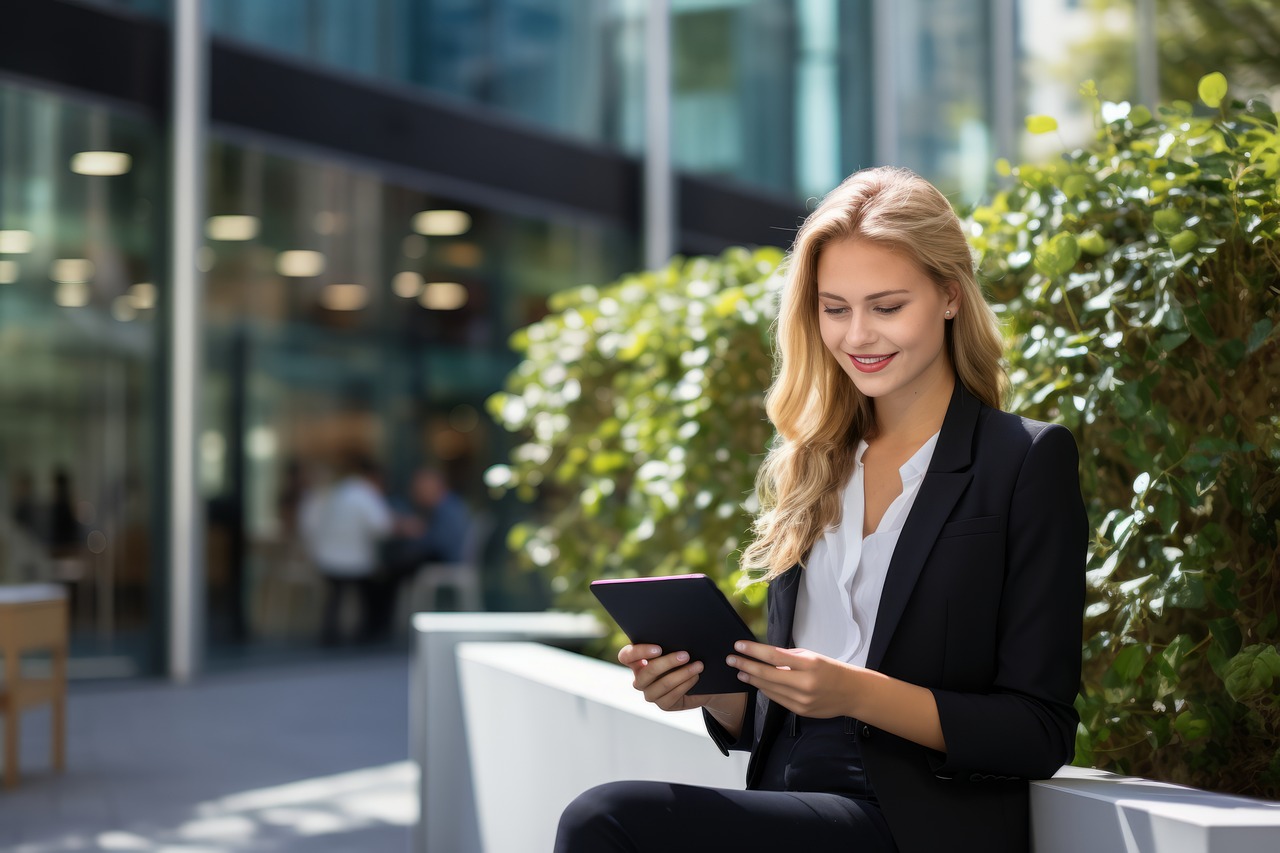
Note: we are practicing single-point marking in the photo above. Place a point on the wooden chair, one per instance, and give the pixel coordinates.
(33, 618)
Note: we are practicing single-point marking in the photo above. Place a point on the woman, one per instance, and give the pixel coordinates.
(925, 558)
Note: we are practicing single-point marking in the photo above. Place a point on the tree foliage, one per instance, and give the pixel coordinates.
(1139, 282)
(1192, 38)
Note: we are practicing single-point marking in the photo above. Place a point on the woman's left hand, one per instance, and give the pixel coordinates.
(804, 682)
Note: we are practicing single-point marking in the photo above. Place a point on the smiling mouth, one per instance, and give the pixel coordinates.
(871, 363)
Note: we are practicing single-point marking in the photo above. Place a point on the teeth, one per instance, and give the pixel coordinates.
(873, 360)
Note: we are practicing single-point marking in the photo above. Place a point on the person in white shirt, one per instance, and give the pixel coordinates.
(342, 527)
(925, 557)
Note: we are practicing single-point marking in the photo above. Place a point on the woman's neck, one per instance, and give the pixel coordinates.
(910, 422)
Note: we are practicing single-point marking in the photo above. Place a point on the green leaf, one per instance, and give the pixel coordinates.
(1192, 726)
(1039, 124)
(1212, 89)
(1183, 242)
(1058, 256)
(1168, 221)
(1251, 673)
(1076, 186)
(1129, 663)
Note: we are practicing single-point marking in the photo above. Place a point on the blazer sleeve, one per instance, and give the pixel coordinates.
(746, 737)
(1024, 726)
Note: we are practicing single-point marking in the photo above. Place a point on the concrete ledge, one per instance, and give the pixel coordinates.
(543, 725)
(1082, 809)
(437, 743)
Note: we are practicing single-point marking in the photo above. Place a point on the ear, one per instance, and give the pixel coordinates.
(955, 297)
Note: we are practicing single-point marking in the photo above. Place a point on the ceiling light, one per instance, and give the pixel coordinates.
(442, 223)
(142, 296)
(104, 163)
(71, 270)
(8, 272)
(300, 263)
(123, 309)
(231, 227)
(444, 296)
(407, 284)
(15, 242)
(71, 294)
(344, 297)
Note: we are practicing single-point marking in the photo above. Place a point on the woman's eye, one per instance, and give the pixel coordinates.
(832, 311)
(887, 309)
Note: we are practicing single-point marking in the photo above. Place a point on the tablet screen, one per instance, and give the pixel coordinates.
(680, 613)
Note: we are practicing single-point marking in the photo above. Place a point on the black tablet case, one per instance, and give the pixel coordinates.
(680, 613)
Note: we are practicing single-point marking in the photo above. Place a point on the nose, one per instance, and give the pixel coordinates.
(859, 332)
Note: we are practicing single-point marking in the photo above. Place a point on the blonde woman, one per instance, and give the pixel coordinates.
(925, 559)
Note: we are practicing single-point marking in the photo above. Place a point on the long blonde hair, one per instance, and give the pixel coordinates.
(818, 412)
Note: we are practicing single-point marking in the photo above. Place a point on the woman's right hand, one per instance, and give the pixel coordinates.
(665, 680)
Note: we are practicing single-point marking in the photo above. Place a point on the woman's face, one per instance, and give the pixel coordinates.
(884, 320)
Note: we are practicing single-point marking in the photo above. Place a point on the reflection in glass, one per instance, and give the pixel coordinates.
(78, 185)
(389, 348)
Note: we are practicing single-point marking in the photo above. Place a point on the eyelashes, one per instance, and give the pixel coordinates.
(883, 310)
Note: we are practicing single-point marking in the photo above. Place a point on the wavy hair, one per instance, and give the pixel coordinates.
(818, 412)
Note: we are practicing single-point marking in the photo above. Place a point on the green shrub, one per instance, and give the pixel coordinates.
(1139, 281)
(642, 406)
(1141, 291)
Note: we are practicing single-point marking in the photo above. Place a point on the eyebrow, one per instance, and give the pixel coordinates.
(869, 298)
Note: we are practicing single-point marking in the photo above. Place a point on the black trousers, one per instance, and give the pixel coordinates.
(813, 797)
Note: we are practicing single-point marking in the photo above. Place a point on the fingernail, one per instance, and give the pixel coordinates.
(742, 676)
(742, 647)
(697, 666)
(682, 656)
(731, 660)
(655, 651)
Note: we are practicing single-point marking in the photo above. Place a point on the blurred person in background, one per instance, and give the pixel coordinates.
(435, 523)
(342, 527)
(431, 527)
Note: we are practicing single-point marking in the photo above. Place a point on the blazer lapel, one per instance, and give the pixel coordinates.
(944, 483)
(783, 594)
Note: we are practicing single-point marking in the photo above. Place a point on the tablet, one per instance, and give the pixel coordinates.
(678, 613)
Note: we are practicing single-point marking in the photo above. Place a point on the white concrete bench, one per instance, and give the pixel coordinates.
(543, 725)
(447, 813)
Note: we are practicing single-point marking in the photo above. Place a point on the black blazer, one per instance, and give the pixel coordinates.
(983, 604)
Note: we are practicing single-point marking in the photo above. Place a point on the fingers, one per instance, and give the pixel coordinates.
(767, 654)
(635, 655)
(668, 692)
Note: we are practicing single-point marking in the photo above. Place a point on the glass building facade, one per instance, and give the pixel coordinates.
(392, 187)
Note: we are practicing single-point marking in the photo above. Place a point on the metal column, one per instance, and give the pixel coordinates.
(884, 95)
(659, 180)
(1004, 74)
(1148, 59)
(185, 520)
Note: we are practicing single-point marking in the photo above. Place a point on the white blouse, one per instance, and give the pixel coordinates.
(842, 580)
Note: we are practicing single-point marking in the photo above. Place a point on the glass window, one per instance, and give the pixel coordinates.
(941, 72)
(81, 211)
(346, 313)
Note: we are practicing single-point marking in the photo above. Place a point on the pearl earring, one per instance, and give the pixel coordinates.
(948, 314)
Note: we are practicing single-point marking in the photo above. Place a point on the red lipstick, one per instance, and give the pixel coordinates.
(871, 363)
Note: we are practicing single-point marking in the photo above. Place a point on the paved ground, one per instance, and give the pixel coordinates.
(309, 757)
